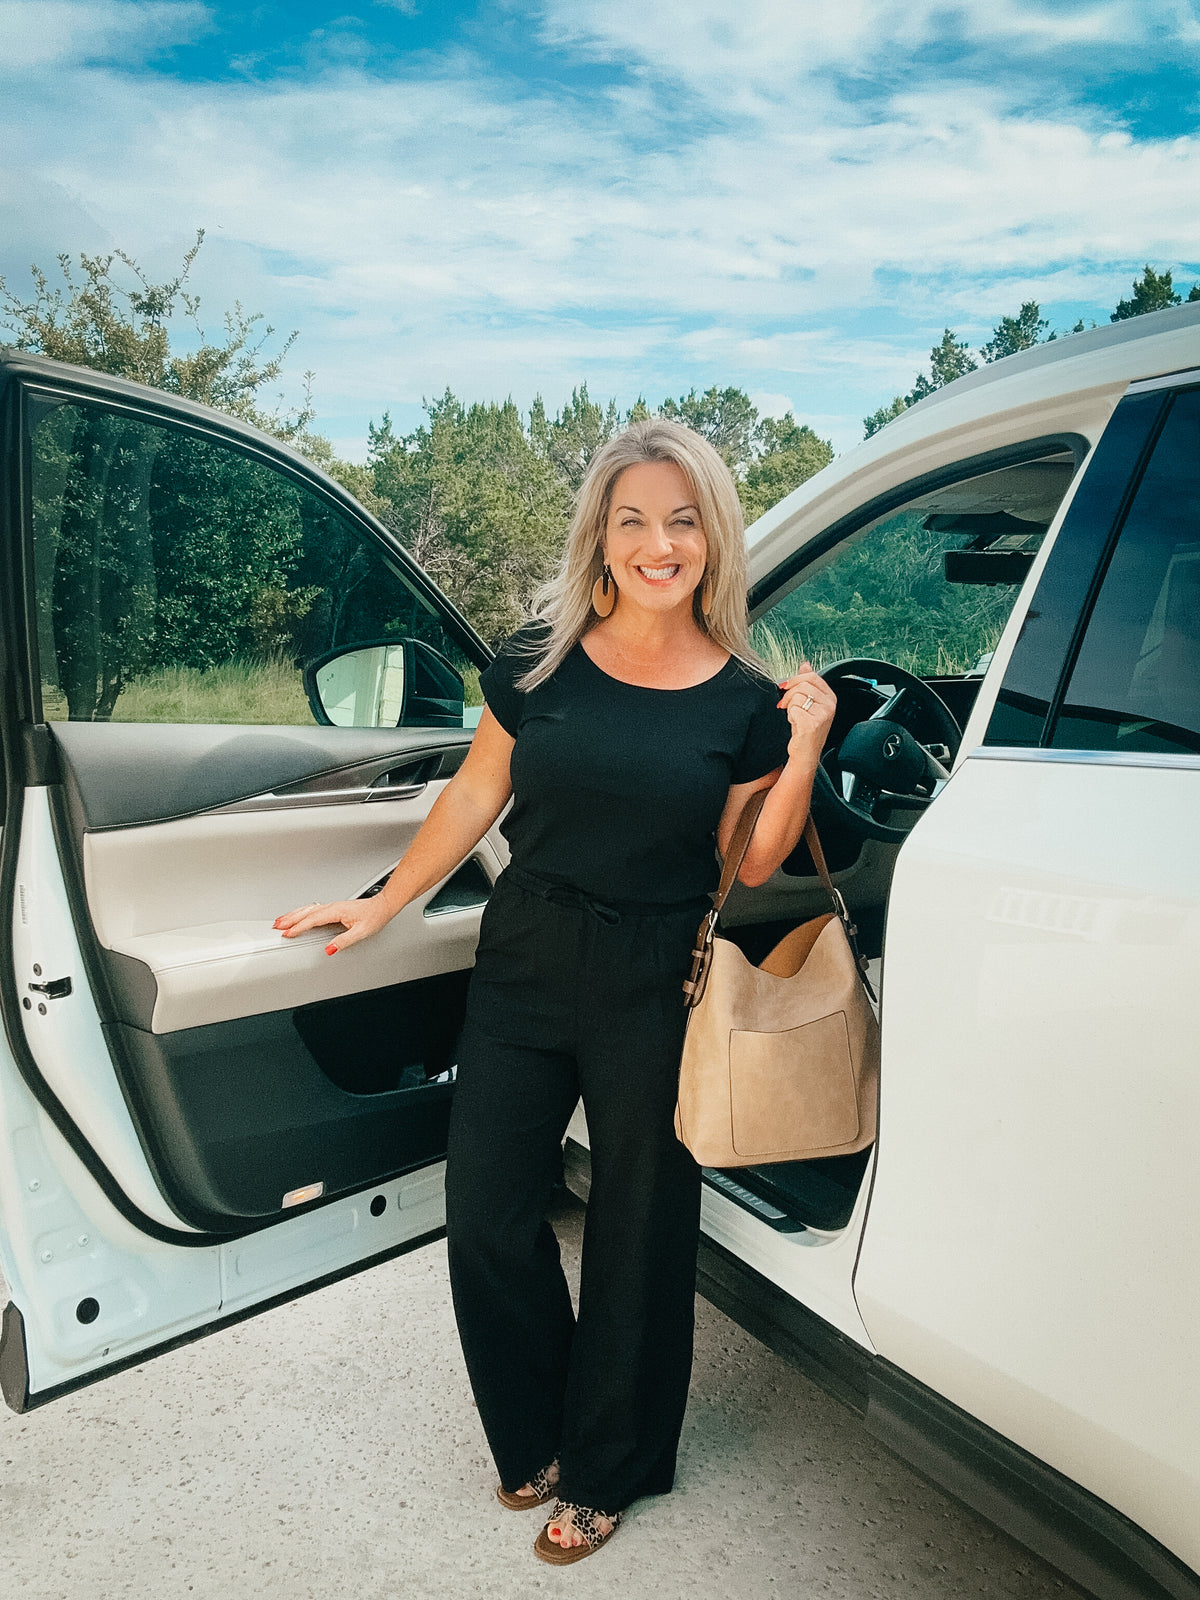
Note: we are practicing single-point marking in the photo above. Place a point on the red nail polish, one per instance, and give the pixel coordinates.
(331, 949)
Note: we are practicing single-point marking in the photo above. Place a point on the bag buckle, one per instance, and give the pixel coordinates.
(697, 978)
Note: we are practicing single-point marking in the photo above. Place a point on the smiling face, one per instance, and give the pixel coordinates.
(654, 539)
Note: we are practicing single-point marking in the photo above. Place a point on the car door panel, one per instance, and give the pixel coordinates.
(125, 774)
(68, 1032)
(91, 1293)
(258, 1068)
(1030, 1248)
(194, 901)
(196, 1115)
(1031, 1243)
(87, 1289)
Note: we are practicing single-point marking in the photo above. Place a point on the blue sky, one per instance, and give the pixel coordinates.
(513, 196)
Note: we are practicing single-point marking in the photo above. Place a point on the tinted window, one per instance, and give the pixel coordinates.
(928, 587)
(1039, 657)
(179, 580)
(1136, 682)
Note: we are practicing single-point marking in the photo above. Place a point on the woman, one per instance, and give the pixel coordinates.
(628, 723)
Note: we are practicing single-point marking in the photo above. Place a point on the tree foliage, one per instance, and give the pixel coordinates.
(1011, 334)
(725, 417)
(480, 493)
(95, 321)
(787, 453)
(482, 497)
(1154, 291)
(951, 358)
(479, 504)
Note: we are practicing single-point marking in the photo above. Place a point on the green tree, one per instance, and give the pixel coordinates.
(727, 418)
(885, 414)
(1011, 334)
(1154, 291)
(479, 504)
(95, 321)
(573, 437)
(787, 453)
(154, 550)
(950, 358)
(768, 457)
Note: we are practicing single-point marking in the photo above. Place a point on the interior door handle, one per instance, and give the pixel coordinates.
(401, 779)
(401, 783)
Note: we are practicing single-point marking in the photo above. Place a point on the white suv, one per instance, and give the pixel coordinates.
(197, 1120)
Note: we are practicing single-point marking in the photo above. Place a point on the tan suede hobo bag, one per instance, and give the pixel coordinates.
(780, 1061)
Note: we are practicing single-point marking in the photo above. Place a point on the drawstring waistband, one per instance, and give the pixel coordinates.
(608, 911)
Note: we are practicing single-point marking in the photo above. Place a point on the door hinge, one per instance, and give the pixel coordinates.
(53, 988)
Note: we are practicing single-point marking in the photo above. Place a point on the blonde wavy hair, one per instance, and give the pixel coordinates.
(565, 602)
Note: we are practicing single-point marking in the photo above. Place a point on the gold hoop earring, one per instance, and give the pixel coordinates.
(604, 593)
(706, 595)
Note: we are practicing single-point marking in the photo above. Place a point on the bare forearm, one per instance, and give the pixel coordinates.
(781, 820)
(456, 822)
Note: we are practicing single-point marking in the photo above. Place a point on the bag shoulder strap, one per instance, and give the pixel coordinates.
(738, 846)
(732, 865)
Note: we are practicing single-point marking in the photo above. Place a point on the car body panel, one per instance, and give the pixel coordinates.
(1035, 1224)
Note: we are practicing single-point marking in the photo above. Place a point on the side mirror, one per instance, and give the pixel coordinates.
(386, 683)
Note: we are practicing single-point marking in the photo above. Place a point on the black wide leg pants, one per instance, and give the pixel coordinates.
(574, 997)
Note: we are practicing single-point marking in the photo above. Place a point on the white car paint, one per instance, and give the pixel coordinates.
(1034, 1232)
(64, 1242)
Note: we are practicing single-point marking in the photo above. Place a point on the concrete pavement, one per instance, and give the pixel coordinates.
(329, 1450)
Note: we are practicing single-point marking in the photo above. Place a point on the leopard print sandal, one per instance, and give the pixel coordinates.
(541, 1485)
(585, 1520)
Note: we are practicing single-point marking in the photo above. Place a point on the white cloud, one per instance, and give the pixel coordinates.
(60, 33)
(768, 45)
(450, 229)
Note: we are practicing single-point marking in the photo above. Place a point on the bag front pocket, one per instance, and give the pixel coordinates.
(792, 1089)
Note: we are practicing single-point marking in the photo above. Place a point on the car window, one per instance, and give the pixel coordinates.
(179, 579)
(1136, 681)
(927, 587)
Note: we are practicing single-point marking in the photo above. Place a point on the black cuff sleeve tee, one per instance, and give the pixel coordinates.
(618, 789)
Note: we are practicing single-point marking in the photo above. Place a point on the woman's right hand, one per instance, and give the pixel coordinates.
(359, 918)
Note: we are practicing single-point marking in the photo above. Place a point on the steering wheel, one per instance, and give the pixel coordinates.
(898, 756)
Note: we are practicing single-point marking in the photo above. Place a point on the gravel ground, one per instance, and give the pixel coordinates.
(329, 1450)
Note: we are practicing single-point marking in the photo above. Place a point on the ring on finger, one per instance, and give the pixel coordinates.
(808, 703)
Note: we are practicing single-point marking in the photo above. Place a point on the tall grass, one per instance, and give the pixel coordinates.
(263, 691)
(782, 648)
(256, 691)
(473, 694)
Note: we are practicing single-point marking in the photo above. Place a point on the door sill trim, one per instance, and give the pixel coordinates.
(14, 1361)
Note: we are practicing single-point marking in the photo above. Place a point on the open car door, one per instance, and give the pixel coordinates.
(198, 1118)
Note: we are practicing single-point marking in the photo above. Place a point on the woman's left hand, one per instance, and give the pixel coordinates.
(810, 704)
